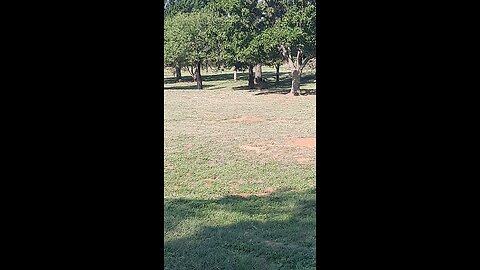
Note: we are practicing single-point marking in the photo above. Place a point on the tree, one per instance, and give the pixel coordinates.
(173, 7)
(243, 23)
(196, 37)
(175, 53)
(293, 34)
(240, 34)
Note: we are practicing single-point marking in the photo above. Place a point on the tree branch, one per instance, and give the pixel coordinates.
(286, 54)
(283, 51)
(307, 61)
(190, 70)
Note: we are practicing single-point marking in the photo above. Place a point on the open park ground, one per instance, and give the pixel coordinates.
(239, 174)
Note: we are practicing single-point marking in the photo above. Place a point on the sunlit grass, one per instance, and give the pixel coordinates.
(227, 206)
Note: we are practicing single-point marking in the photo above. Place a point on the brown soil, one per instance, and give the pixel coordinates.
(303, 142)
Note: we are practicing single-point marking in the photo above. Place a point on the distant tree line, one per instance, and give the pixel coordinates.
(240, 34)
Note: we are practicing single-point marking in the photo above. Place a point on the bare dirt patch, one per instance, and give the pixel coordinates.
(303, 142)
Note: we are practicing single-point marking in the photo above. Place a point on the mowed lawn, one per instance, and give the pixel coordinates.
(239, 174)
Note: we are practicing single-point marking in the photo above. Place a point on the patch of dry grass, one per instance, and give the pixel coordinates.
(239, 121)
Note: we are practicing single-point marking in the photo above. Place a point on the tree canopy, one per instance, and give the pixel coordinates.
(172, 7)
(240, 33)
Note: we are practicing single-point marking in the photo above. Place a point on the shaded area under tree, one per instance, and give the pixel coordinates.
(285, 240)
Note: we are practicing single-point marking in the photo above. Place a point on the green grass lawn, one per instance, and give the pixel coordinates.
(239, 190)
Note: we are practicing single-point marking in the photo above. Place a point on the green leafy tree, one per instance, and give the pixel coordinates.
(243, 23)
(175, 53)
(201, 35)
(173, 7)
(241, 34)
(292, 32)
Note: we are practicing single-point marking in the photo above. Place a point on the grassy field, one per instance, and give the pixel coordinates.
(239, 190)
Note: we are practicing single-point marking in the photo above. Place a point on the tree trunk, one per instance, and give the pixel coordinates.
(277, 74)
(235, 73)
(258, 75)
(295, 83)
(251, 83)
(178, 74)
(198, 76)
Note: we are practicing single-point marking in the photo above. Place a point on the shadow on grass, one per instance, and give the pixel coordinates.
(186, 87)
(283, 86)
(171, 80)
(224, 77)
(268, 86)
(303, 92)
(209, 78)
(280, 235)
